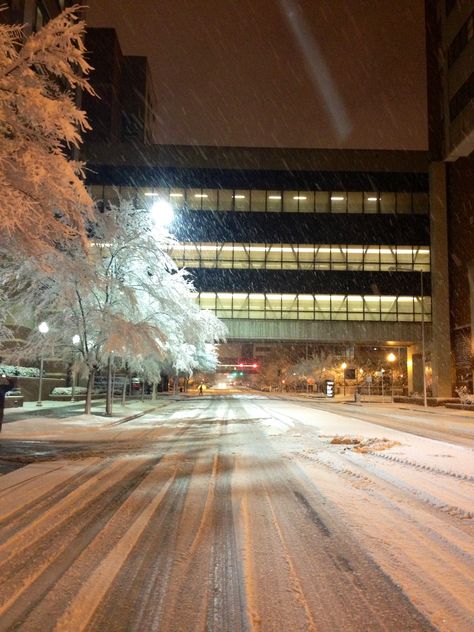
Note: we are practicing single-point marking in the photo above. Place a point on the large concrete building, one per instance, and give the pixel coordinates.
(125, 106)
(308, 247)
(450, 57)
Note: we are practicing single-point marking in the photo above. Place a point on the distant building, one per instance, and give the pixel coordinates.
(32, 13)
(450, 57)
(322, 250)
(126, 107)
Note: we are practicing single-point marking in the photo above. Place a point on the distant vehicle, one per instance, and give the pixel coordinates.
(14, 398)
(136, 383)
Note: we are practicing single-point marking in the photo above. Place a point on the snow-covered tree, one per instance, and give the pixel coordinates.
(44, 200)
(125, 299)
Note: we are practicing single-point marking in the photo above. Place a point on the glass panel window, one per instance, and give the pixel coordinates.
(225, 200)
(388, 258)
(274, 201)
(242, 200)
(194, 199)
(306, 201)
(421, 258)
(355, 256)
(240, 306)
(321, 200)
(388, 308)
(405, 304)
(404, 257)
(258, 201)
(355, 202)
(387, 202)
(371, 258)
(371, 307)
(177, 198)
(421, 203)
(338, 202)
(305, 304)
(355, 305)
(322, 305)
(290, 201)
(273, 306)
(403, 203)
(241, 256)
(209, 199)
(371, 202)
(207, 300)
(338, 305)
(306, 257)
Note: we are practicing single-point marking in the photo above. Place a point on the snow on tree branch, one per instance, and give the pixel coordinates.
(44, 200)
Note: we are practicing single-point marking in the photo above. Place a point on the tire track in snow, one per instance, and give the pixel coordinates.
(33, 570)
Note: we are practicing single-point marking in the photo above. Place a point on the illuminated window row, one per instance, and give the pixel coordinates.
(276, 201)
(317, 306)
(300, 256)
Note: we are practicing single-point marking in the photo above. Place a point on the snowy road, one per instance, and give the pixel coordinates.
(231, 514)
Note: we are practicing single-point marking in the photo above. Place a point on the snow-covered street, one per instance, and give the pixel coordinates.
(236, 513)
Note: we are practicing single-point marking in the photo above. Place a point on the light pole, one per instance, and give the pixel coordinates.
(43, 329)
(423, 354)
(391, 358)
(75, 341)
(344, 367)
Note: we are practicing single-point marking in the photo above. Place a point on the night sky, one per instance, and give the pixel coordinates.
(313, 73)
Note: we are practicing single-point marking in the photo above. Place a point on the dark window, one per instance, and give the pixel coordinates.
(41, 16)
(462, 98)
(462, 39)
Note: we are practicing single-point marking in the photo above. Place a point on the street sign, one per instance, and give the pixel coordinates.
(330, 388)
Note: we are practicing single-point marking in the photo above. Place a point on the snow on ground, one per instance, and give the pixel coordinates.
(236, 513)
(411, 506)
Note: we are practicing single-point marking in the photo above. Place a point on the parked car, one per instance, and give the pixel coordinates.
(136, 384)
(14, 398)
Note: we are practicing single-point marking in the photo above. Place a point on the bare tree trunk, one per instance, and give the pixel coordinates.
(90, 382)
(124, 390)
(143, 389)
(153, 392)
(108, 396)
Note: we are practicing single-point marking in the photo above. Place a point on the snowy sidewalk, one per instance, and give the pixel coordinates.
(65, 418)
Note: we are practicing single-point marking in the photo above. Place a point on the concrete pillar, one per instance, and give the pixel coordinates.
(470, 270)
(441, 341)
(414, 369)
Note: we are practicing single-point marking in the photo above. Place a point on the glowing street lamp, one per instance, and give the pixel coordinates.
(76, 339)
(43, 329)
(344, 367)
(161, 214)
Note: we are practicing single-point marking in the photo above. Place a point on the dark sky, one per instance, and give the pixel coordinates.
(292, 73)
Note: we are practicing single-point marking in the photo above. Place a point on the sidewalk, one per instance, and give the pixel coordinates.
(376, 402)
(64, 418)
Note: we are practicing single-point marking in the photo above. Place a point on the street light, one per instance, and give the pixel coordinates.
(391, 358)
(76, 339)
(43, 329)
(161, 214)
(344, 367)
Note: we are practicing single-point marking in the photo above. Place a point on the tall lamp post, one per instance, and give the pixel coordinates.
(423, 353)
(75, 341)
(43, 329)
(391, 358)
(344, 367)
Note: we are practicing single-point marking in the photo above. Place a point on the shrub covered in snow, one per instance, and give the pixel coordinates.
(20, 371)
(67, 390)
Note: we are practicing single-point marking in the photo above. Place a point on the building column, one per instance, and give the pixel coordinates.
(441, 341)
(470, 270)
